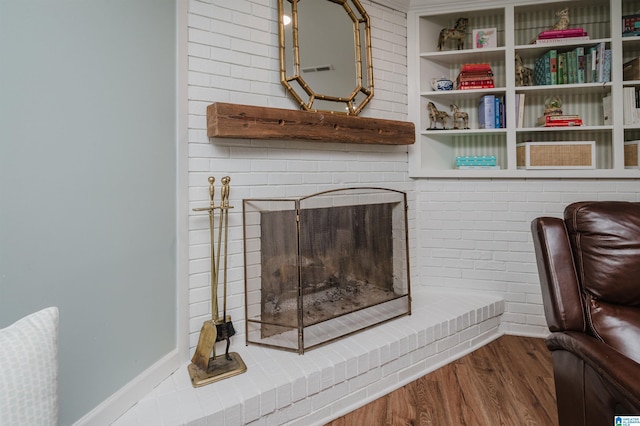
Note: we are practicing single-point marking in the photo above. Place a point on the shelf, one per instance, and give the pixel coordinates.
(468, 55)
(591, 129)
(252, 122)
(449, 95)
(563, 89)
(529, 51)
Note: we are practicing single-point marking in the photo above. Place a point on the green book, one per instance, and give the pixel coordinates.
(562, 68)
(553, 66)
(572, 67)
(581, 65)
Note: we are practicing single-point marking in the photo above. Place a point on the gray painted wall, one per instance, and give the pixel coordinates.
(88, 184)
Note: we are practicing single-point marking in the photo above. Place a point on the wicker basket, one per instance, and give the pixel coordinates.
(556, 155)
(631, 154)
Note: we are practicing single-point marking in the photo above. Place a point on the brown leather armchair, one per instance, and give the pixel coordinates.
(589, 268)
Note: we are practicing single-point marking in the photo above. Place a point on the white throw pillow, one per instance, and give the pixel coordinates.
(29, 370)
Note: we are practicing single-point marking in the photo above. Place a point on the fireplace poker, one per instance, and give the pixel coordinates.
(225, 329)
(209, 332)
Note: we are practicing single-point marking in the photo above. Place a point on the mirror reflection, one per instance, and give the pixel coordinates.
(325, 54)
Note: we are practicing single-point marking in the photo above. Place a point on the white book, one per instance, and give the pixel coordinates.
(629, 105)
(607, 110)
(561, 40)
(520, 109)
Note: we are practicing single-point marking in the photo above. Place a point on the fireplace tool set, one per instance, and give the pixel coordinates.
(204, 368)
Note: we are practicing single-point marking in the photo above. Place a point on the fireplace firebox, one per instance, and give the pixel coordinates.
(324, 266)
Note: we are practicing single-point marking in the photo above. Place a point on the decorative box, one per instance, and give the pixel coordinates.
(556, 155)
(631, 156)
(631, 70)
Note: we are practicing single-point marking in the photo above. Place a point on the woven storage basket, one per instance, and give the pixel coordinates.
(556, 155)
(631, 154)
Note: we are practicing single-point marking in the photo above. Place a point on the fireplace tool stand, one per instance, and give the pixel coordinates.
(204, 368)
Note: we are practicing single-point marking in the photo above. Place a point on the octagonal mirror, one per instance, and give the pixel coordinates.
(325, 54)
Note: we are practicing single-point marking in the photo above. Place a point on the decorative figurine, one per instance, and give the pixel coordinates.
(563, 19)
(458, 32)
(436, 116)
(524, 75)
(459, 115)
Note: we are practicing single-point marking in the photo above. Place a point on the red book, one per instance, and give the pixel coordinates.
(564, 123)
(475, 67)
(570, 32)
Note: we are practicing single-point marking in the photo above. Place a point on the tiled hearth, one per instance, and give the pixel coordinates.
(311, 389)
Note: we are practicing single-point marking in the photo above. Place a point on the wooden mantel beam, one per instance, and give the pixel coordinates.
(226, 120)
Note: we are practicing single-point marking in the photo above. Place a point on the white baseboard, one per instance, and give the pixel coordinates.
(125, 398)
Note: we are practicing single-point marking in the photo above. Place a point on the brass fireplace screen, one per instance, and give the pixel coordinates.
(325, 266)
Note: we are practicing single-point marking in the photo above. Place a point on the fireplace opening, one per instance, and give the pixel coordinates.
(321, 267)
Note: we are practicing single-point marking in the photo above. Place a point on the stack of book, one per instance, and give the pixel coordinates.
(475, 76)
(561, 36)
(559, 120)
(476, 162)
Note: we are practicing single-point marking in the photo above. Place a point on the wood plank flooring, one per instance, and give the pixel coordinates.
(507, 382)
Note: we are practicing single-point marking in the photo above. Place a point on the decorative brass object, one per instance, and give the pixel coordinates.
(310, 64)
(204, 368)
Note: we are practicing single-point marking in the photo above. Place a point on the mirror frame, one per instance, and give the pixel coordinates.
(353, 106)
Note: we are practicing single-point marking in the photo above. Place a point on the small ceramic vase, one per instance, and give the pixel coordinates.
(441, 83)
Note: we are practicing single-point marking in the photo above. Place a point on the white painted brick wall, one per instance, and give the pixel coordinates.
(233, 57)
(474, 235)
(471, 235)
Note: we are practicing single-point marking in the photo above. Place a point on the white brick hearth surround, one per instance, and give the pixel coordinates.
(311, 389)
(467, 236)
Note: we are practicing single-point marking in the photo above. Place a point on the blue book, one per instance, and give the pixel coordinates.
(486, 112)
(607, 66)
(497, 112)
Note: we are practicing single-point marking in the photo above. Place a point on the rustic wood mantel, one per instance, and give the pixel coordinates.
(226, 120)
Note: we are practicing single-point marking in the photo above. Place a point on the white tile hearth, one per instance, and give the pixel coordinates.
(284, 388)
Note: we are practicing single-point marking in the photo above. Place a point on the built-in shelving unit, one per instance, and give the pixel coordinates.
(517, 23)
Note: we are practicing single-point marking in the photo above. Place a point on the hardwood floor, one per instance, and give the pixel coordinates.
(507, 382)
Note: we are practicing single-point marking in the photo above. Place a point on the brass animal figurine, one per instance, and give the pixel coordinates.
(436, 116)
(458, 32)
(459, 115)
(524, 75)
(563, 19)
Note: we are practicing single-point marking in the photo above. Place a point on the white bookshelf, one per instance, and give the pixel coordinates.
(433, 154)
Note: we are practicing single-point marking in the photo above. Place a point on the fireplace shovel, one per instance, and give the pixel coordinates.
(205, 369)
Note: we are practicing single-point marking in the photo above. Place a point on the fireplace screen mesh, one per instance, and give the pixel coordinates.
(321, 267)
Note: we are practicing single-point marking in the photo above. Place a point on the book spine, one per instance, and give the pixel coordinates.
(600, 48)
(560, 40)
(593, 68)
(497, 112)
(607, 66)
(553, 66)
(562, 67)
(607, 107)
(563, 36)
(538, 71)
(560, 33)
(486, 112)
(581, 77)
(571, 66)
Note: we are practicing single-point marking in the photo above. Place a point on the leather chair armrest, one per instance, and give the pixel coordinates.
(616, 369)
(561, 296)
